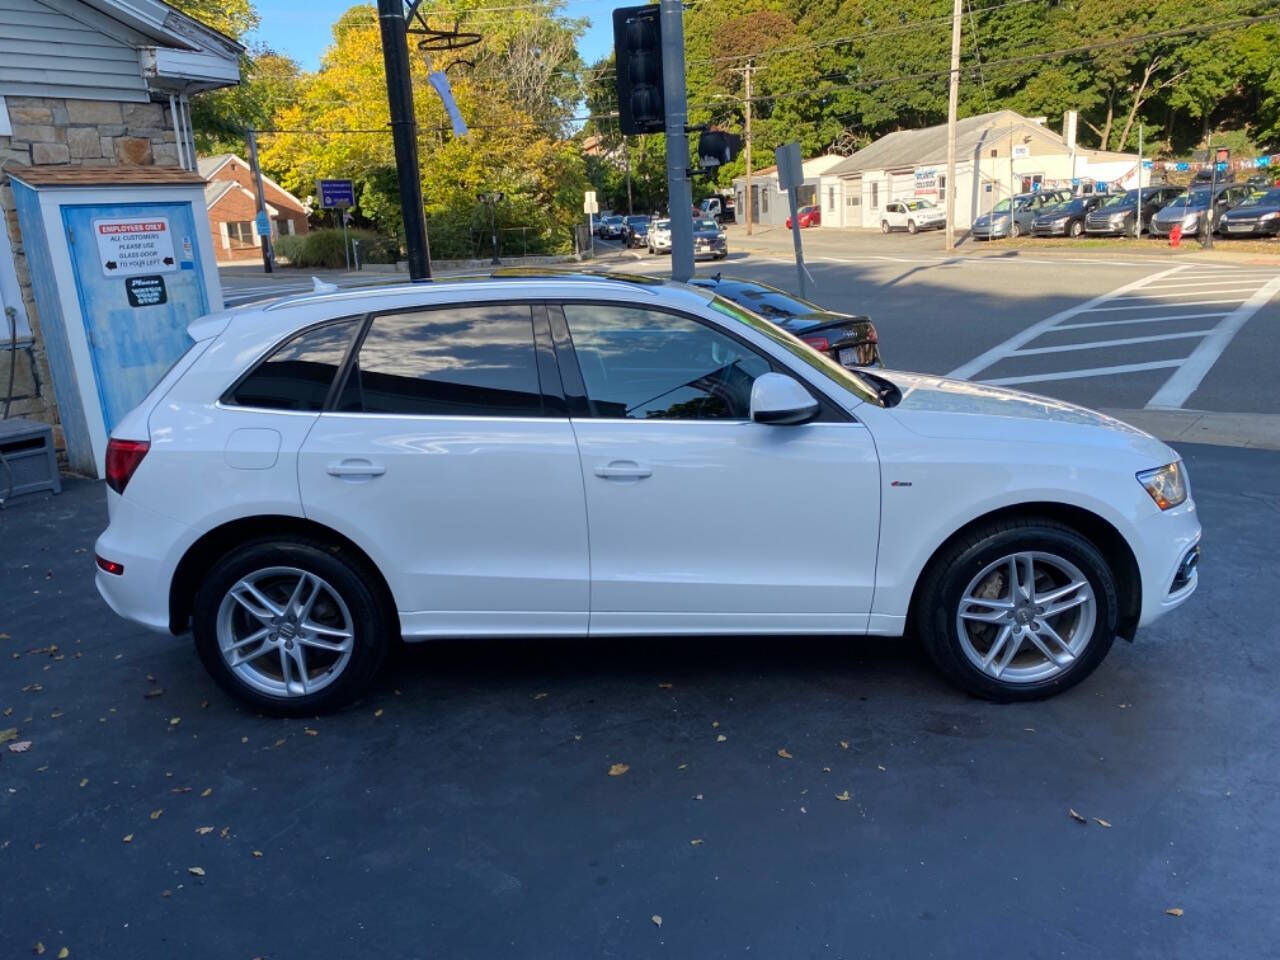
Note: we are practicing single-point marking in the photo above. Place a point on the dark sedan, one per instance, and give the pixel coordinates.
(636, 230)
(1257, 216)
(708, 239)
(847, 339)
(1065, 219)
(1118, 216)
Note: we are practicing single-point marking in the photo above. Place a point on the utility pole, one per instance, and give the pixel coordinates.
(1137, 221)
(953, 102)
(746, 106)
(1207, 219)
(679, 190)
(264, 236)
(404, 135)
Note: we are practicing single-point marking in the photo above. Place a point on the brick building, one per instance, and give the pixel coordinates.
(232, 202)
(89, 83)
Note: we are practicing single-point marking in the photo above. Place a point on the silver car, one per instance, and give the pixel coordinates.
(1026, 207)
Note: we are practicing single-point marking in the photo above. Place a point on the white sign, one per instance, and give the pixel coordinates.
(927, 182)
(135, 245)
(1021, 151)
(589, 204)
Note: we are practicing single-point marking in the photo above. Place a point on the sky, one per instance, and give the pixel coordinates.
(302, 30)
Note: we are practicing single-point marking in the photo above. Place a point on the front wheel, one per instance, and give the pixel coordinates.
(1076, 229)
(1017, 610)
(1015, 231)
(911, 226)
(884, 226)
(291, 627)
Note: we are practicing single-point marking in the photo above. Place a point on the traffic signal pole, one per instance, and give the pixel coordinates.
(679, 189)
(404, 135)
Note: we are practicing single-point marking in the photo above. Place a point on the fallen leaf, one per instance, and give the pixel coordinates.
(244, 739)
(714, 724)
(152, 693)
(63, 953)
(127, 838)
(664, 686)
(204, 704)
(696, 843)
(55, 715)
(721, 738)
(826, 769)
(311, 731)
(1029, 729)
(538, 696)
(206, 791)
(880, 768)
(39, 948)
(697, 796)
(657, 920)
(174, 721)
(280, 742)
(166, 893)
(1076, 817)
(224, 832)
(784, 755)
(155, 814)
(20, 746)
(180, 790)
(84, 782)
(1100, 822)
(8, 711)
(844, 744)
(196, 871)
(1174, 911)
(682, 766)
(618, 769)
(203, 830)
(843, 796)
(7, 735)
(257, 853)
(378, 712)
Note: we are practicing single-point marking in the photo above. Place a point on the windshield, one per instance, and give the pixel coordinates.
(662, 225)
(1192, 198)
(919, 205)
(634, 221)
(1072, 206)
(1268, 198)
(705, 225)
(1122, 199)
(1001, 207)
(818, 362)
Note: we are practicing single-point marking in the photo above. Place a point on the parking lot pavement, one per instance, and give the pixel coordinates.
(467, 809)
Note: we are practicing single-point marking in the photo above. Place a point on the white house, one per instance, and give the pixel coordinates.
(769, 201)
(997, 154)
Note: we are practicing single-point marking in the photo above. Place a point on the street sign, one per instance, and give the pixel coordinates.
(589, 204)
(263, 223)
(1021, 151)
(134, 245)
(336, 193)
(790, 166)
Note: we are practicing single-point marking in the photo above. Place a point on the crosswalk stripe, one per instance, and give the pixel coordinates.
(1096, 344)
(1088, 372)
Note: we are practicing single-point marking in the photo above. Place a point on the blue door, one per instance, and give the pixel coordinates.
(140, 284)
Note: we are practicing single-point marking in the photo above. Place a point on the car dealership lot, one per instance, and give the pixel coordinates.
(467, 808)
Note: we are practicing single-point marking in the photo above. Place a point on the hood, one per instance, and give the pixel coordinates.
(706, 234)
(1249, 213)
(934, 406)
(1180, 211)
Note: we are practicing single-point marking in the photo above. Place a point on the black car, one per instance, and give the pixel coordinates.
(709, 240)
(1066, 219)
(847, 339)
(1118, 215)
(635, 230)
(1256, 216)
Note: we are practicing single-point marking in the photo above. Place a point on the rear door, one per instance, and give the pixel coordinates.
(448, 455)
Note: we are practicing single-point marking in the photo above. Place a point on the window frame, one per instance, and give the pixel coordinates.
(575, 389)
(227, 397)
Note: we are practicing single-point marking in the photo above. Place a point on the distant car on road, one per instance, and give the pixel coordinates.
(636, 230)
(709, 239)
(723, 209)
(1256, 216)
(611, 228)
(1026, 207)
(848, 339)
(808, 216)
(1118, 214)
(659, 237)
(1192, 206)
(912, 215)
(1066, 219)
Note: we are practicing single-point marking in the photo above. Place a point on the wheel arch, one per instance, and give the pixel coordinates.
(219, 541)
(1097, 529)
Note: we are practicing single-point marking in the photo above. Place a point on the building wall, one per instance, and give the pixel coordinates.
(55, 130)
(236, 206)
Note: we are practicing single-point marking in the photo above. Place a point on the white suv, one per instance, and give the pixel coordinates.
(583, 455)
(912, 215)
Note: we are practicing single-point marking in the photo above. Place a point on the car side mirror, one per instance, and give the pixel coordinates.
(781, 400)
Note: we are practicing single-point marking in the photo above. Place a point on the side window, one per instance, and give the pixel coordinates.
(475, 361)
(645, 365)
(297, 376)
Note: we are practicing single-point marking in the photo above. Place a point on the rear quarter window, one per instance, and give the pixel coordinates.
(298, 374)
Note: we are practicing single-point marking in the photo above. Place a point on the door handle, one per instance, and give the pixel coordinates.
(356, 469)
(623, 470)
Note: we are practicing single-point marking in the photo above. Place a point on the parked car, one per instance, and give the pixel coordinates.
(911, 215)
(1066, 219)
(809, 216)
(636, 230)
(1258, 215)
(721, 209)
(612, 228)
(1118, 215)
(1191, 207)
(709, 240)
(322, 475)
(849, 340)
(659, 237)
(1026, 207)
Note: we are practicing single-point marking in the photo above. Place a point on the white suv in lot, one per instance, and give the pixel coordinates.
(527, 456)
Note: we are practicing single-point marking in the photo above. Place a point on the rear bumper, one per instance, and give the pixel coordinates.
(149, 546)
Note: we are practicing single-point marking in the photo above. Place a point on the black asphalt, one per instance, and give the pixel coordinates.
(466, 809)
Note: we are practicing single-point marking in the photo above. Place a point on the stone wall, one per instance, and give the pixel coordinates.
(49, 130)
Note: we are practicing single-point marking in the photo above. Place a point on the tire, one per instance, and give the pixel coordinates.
(911, 227)
(347, 612)
(884, 226)
(1135, 231)
(1076, 229)
(961, 570)
(1015, 230)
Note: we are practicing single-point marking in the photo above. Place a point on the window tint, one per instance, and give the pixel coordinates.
(298, 375)
(455, 361)
(645, 365)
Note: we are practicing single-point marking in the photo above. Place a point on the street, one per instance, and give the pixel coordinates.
(466, 808)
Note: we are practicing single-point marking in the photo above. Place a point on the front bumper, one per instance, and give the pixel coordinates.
(1107, 228)
(989, 231)
(1049, 230)
(1163, 544)
(1265, 228)
(1162, 228)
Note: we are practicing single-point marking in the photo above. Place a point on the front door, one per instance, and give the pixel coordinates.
(139, 286)
(444, 460)
(701, 520)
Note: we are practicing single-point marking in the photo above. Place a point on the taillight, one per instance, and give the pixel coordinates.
(110, 566)
(123, 457)
(821, 344)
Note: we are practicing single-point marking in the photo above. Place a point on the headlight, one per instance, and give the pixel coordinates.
(1060, 221)
(1190, 220)
(1167, 485)
(1270, 216)
(1117, 217)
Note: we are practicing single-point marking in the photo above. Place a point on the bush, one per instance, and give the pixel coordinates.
(323, 248)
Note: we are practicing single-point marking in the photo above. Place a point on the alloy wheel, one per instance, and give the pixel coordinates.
(1026, 617)
(285, 632)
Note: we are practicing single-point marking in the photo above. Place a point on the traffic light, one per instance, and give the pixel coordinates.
(637, 44)
(716, 147)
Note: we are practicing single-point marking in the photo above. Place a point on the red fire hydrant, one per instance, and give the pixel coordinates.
(1175, 235)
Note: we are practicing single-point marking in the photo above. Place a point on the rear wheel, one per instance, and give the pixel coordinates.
(884, 226)
(1015, 230)
(291, 627)
(1135, 229)
(1018, 610)
(1076, 229)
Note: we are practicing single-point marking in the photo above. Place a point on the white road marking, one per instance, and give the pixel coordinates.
(1231, 282)
(1089, 372)
(1165, 306)
(1096, 344)
(1236, 287)
(1114, 323)
(1179, 387)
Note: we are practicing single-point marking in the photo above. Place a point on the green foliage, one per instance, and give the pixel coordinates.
(323, 248)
